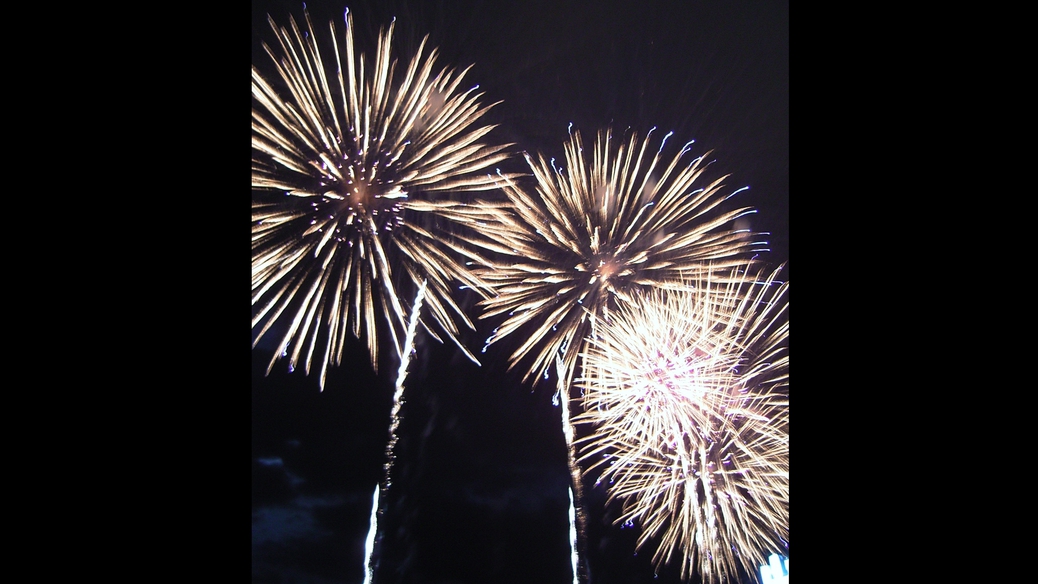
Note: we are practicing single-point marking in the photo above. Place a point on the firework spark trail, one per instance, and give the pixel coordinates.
(590, 234)
(574, 559)
(394, 417)
(365, 152)
(401, 376)
(687, 392)
(577, 515)
(369, 541)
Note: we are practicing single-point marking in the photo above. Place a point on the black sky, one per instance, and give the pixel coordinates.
(479, 493)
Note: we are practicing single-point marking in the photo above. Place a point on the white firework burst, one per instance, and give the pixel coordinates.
(686, 392)
(352, 157)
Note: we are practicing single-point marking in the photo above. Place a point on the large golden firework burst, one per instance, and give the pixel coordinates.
(351, 159)
(611, 221)
(686, 393)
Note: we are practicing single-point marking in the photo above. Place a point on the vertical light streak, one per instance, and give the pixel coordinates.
(574, 558)
(401, 376)
(394, 422)
(369, 542)
(577, 515)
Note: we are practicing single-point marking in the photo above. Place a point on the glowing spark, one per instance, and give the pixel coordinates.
(775, 571)
(365, 150)
(687, 392)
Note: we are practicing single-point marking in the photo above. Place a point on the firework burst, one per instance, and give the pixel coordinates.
(350, 157)
(687, 392)
(595, 231)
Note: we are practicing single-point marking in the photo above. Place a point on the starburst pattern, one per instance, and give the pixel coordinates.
(352, 158)
(612, 221)
(687, 394)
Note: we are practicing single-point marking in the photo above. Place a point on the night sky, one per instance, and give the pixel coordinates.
(479, 490)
